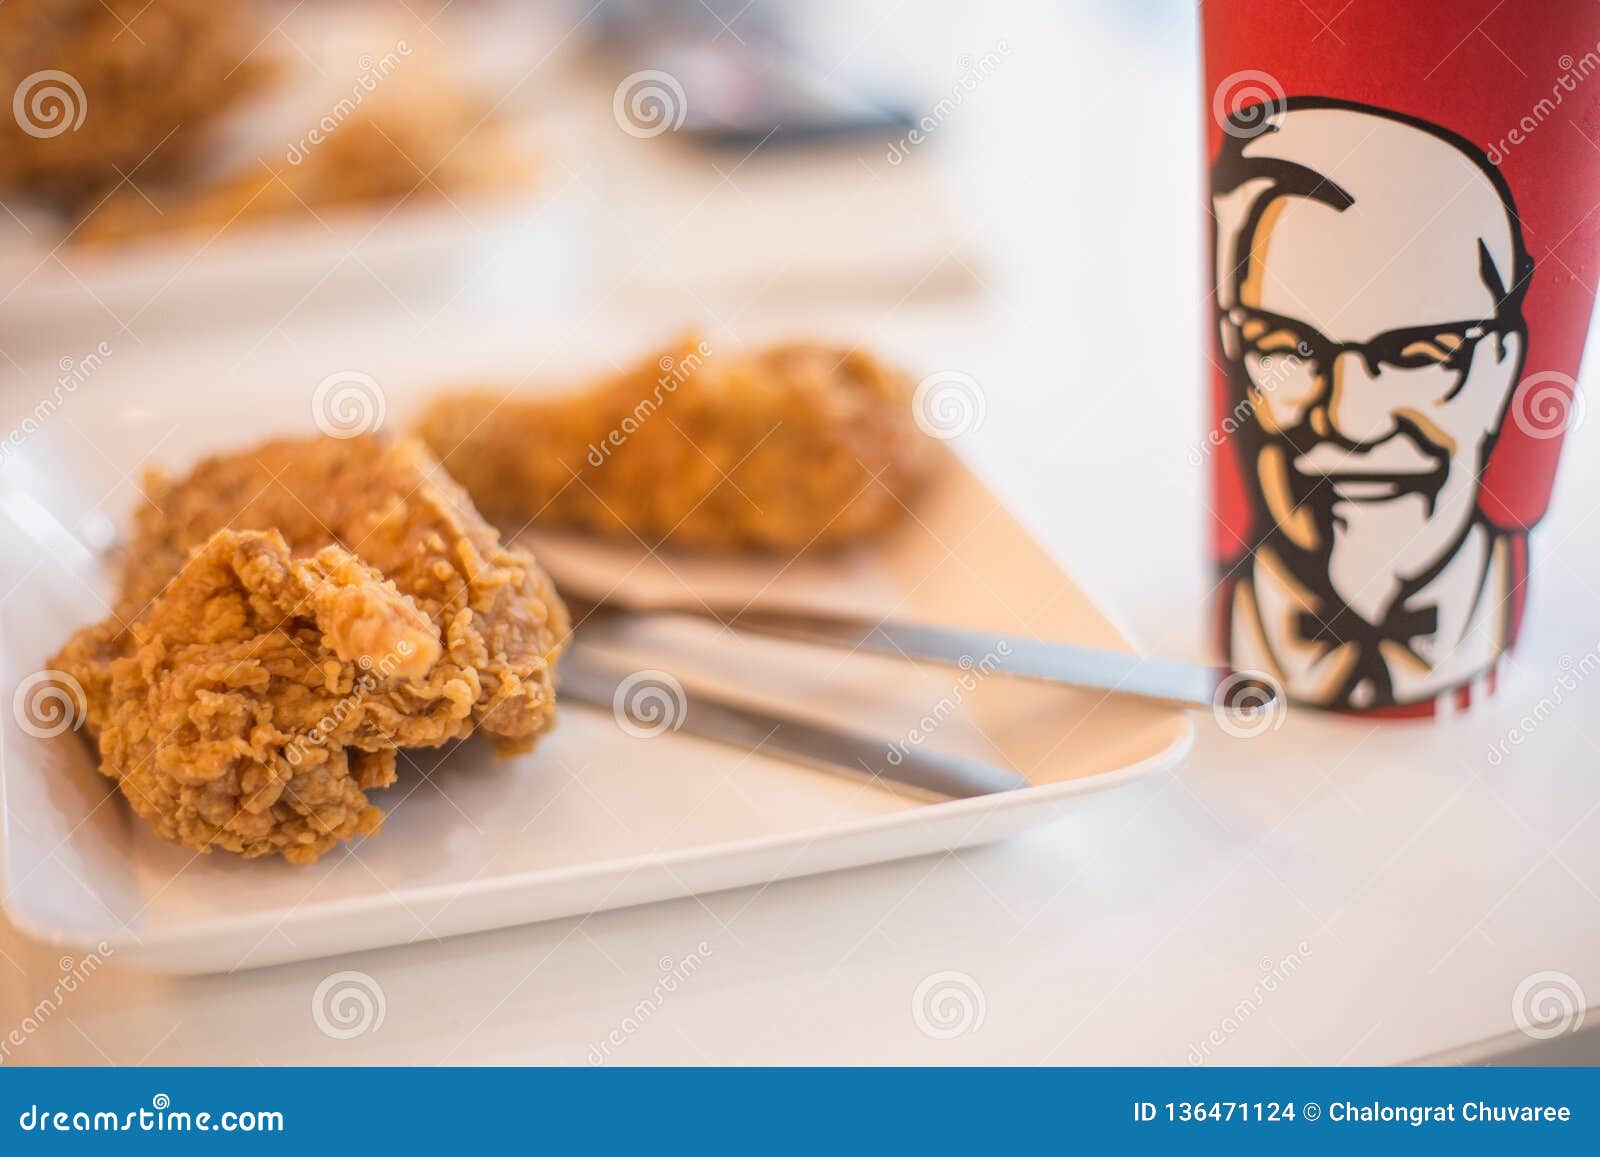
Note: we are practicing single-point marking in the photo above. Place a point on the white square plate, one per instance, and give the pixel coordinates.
(594, 818)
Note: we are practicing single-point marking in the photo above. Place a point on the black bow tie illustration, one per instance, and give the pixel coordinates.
(1343, 625)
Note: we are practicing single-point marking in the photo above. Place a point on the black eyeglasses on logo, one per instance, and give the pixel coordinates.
(1451, 345)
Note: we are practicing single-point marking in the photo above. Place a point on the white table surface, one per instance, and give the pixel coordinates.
(1400, 884)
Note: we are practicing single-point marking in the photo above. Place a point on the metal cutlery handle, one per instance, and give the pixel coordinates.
(1168, 681)
(1165, 680)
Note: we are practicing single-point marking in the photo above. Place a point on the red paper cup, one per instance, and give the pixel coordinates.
(1405, 197)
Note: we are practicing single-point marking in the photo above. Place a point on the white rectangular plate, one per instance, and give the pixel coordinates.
(413, 257)
(594, 818)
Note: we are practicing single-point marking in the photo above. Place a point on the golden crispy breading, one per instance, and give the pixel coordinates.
(88, 656)
(262, 695)
(414, 152)
(500, 620)
(151, 77)
(290, 617)
(787, 448)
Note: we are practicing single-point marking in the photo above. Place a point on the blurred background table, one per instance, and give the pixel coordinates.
(1328, 892)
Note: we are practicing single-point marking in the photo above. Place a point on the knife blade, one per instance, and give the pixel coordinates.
(587, 679)
(1168, 681)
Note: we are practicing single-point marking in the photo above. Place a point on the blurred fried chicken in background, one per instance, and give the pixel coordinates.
(154, 116)
(783, 449)
(154, 79)
(415, 142)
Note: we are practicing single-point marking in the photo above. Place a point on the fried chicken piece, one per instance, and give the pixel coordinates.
(499, 619)
(783, 449)
(108, 88)
(289, 618)
(412, 151)
(261, 696)
(87, 656)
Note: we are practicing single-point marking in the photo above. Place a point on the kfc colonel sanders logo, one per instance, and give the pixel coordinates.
(1370, 271)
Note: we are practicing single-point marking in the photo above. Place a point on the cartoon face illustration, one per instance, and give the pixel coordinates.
(1370, 271)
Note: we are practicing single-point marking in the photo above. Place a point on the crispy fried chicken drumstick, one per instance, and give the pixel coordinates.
(290, 617)
(500, 618)
(262, 695)
(791, 447)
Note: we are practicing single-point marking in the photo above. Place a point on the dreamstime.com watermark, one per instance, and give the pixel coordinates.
(49, 703)
(74, 974)
(1249, 703)
(1547, 1004)
(159, 1117)
(1274, 974)
(1573, 73)
(948, 1004)
(674, 372)
(347, 1005)
(1572, 673)
(374, 674)
(1270, 372)
(348, 404)
(973, 672)
(649, 703)
(1547, 405)
(373, 72)
(1244, 104)
(973, 74)
(74, 373)
(648, 103)
(48, 103)
(674, 974)
(948, 404)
